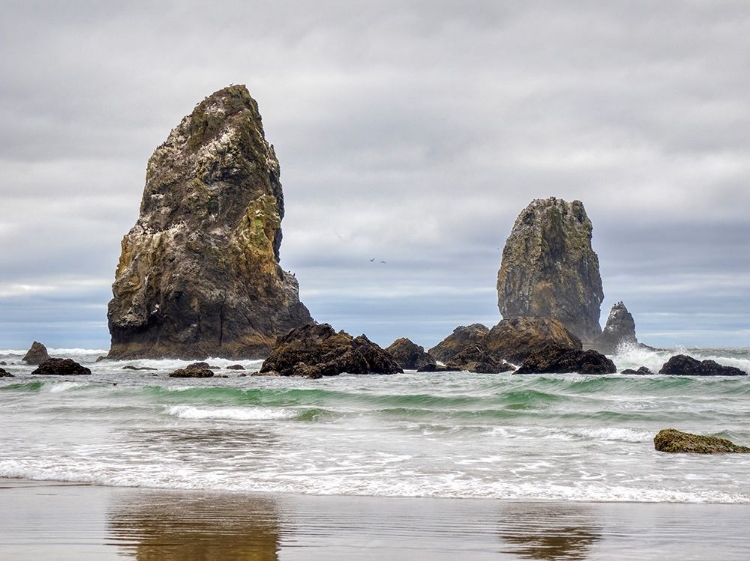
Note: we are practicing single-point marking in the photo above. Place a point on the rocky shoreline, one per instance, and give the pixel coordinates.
(318, 350)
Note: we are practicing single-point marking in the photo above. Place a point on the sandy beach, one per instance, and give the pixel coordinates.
(62, 521)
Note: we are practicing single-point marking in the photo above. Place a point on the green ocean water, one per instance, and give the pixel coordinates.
(564, 437)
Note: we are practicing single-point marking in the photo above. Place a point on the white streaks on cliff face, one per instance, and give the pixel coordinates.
(199, 272)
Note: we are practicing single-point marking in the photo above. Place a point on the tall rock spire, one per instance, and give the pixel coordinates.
(199, 272)
(549, 268)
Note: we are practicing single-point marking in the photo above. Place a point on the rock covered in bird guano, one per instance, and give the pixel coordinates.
(675, 441)
(618, 332)
(516, 339)
(462, 337)
(199, 272)
(317, 350)
(683, 365)
(549, 268)
(409, 355)
(562, 360)
(61, 367)
(37, 354)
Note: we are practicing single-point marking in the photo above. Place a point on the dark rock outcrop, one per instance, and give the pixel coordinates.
(409, 355)
(195, 372)
(199, 272)
(460, 339)
(476, 359)
(439, 368)
(317, 350)
(201, 365)
(37, 354)
(478, 349)
(672, 440)
(641, 371)
(235, 367)
(683, 365)
(518, 338)
(61, 367)
(561, 360)
(5, 374)
(618, 332)
(549, 268)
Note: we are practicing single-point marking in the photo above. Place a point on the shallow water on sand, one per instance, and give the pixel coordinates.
(67, 522)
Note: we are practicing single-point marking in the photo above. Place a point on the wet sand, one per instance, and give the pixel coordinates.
(60, 521)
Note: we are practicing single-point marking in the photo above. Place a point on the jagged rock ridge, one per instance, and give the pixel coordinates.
(549, 268)
(619, 330)
(409, 355)
(479, 349)
(199, 272)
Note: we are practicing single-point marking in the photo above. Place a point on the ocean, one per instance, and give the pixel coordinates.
(565, 437)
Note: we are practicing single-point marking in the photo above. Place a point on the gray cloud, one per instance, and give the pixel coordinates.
(412, 132)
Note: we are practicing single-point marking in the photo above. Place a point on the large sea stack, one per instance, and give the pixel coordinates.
(549, 268)
(199, 273)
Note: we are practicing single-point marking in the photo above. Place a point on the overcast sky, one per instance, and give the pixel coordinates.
(412, 132)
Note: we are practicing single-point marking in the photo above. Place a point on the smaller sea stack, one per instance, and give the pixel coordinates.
(550, 270)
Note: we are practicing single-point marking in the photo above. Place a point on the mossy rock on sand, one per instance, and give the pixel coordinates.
(672, 440)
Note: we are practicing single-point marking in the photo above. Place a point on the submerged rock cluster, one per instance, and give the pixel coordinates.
(317, 350)
(199, 272)
(683, 365)
(479, 349)
(61, 367)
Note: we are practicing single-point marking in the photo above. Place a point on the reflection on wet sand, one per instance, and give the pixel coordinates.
(540, 531)
(178, 526)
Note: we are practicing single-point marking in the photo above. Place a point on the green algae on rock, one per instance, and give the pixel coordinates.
(675, 441)
(199, 272)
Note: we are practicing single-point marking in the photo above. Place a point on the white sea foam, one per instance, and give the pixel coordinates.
(63, 386)
(232, 413)
(448, 485)
(618, 434)
(76, 351)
